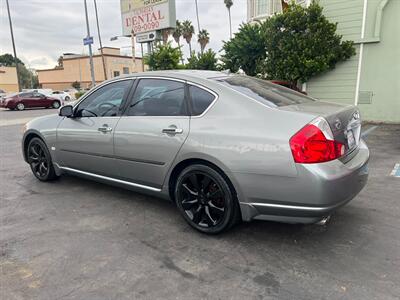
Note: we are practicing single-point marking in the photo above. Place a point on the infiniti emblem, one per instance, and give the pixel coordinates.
(356, 115)
(338, 124)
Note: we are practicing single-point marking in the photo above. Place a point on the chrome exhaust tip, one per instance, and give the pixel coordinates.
(323, 221)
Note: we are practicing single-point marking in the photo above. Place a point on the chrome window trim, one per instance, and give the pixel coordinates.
(136, 185)
(161, 77)
(216, 97)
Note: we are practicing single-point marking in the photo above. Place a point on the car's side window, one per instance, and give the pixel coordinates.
(37, 96)
(200, 99)
(105, 101)
(158, 97)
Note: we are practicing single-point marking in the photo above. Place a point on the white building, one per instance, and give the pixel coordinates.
(259, 10)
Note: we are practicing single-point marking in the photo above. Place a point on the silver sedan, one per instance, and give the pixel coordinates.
(223, 147)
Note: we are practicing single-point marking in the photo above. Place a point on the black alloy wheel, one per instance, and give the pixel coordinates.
(39, 160)
(205, 199)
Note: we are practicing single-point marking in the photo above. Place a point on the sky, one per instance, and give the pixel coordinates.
(44, 29)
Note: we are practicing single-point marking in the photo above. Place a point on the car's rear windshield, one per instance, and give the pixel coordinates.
(266, 92)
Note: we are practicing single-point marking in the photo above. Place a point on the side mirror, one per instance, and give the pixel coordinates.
(66, 111)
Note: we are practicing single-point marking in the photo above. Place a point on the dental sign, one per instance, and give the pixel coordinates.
(147, 15)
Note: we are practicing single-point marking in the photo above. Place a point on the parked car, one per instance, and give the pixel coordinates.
(21, 101)
(288, 85)
(71, 92)
(3, 93)
(222, 147)
(61, 95)
(40, 91)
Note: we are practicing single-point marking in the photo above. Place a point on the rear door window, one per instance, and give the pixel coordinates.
(200, 99)
(263, 91)
(158, 97)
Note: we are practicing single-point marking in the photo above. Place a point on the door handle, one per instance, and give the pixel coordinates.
(104, 129)
(172, 130)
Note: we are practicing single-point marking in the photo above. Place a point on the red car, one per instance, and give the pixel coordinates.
(30, 99)
(288, 85)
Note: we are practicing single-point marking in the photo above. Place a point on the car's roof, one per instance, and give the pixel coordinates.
(180, 74)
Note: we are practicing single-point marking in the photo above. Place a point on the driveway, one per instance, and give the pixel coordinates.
(77, 239)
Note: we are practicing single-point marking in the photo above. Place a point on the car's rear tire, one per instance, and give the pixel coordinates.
(39, 159)
(20, 106)
(56, 104)
(205, 199)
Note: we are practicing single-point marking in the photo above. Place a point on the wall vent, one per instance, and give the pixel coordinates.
(365, 97)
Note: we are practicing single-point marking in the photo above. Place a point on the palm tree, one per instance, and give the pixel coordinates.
(228, 4)
(203, 38)
(165, 35)
(187, 33)
(177, 33)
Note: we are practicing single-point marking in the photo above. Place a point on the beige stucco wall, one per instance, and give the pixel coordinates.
(8, 79)
(78, 69)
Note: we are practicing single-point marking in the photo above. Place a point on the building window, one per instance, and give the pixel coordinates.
(264, 8)
(116, 73)
(125, 70)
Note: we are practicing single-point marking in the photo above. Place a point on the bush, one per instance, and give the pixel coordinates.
(245, 51)
(293, 46)
(203, 61)
(79, 94)
(164, 57)
(302, 43)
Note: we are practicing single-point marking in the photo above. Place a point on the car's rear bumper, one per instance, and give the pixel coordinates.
(317, 190)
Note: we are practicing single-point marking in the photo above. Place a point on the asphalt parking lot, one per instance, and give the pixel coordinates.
(77, 239)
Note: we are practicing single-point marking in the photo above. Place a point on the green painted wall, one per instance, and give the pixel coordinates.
(338, 85)
(380, 68)
(380, 71)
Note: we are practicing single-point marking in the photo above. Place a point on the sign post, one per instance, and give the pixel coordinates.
(89, 41)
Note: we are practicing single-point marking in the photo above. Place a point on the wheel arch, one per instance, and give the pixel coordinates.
(182, 164)
(28, 136)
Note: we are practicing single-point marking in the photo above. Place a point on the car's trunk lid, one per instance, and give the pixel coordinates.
(344, 120)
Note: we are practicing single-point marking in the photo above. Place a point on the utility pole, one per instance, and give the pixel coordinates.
(101, 45)
(90, 46)
(13, 45)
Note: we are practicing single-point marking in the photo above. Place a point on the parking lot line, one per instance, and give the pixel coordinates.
(365, 133)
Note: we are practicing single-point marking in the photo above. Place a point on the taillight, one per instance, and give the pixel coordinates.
(314, 143)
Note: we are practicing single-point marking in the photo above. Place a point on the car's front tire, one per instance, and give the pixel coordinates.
(20, 106)
(39, 159)
(205, 199)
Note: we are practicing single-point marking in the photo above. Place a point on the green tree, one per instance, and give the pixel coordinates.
(7, 60)
(203, 38)
(27, 78)
(228, 4)
(203, 61)
(187, 33)
(246, 50)
(302, 43)
(164, 57)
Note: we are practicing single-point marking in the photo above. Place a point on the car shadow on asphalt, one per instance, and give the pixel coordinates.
(342, 225)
